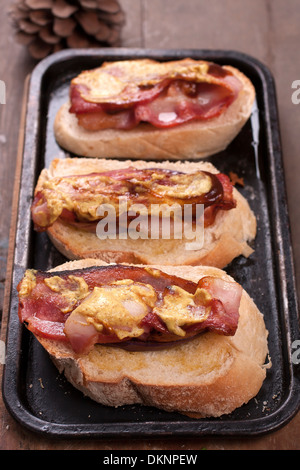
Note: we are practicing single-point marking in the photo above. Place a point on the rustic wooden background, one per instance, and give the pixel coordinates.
(266, 29)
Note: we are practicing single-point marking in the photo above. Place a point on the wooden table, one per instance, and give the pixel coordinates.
(266, 29)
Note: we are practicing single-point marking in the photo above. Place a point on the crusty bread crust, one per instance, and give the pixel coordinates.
(210, 375)
(193, 140)
(226, 239)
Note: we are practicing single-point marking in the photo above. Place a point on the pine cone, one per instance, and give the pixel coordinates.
(47, 26)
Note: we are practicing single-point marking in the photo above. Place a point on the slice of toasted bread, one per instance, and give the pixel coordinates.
(226, 239)
(210, 375)
(192, 140)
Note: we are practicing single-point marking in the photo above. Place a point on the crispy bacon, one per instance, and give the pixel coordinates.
(174, 105)
(41, 308)
(128, 183)
(226, 203)
(225, 305)
(166, 101)
(93, 117)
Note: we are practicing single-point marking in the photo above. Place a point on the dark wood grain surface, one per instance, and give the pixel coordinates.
(266, 29)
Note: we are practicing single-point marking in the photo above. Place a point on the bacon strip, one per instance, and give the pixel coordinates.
(170, 108)
(165, 96)
(40, 309)
(129, 183)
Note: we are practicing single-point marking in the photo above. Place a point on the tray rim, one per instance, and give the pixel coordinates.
(284, 262)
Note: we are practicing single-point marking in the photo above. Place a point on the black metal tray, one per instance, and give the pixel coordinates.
(33, 391)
